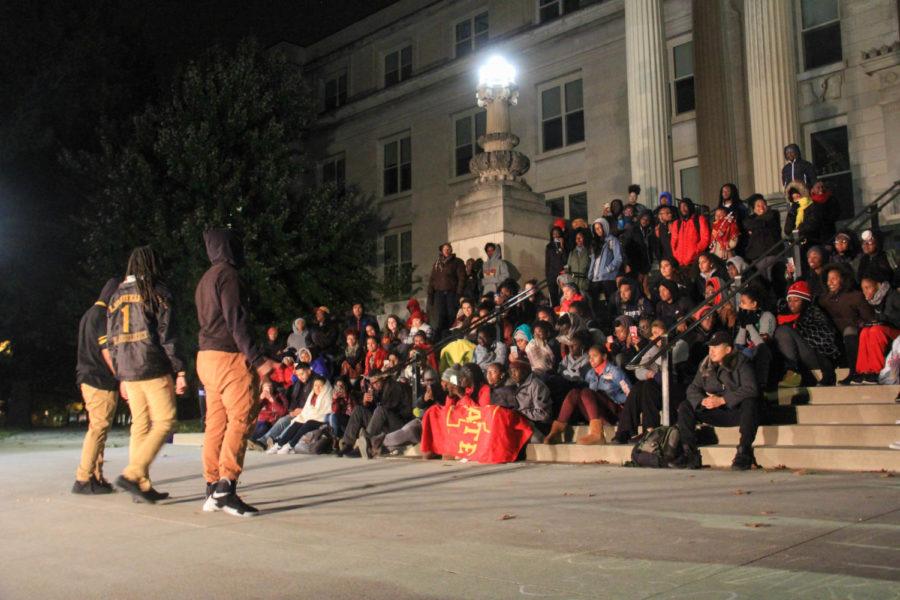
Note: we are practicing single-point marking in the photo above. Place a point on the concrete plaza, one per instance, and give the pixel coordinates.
(345, 528)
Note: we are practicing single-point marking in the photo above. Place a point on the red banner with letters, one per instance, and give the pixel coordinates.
(484, 434)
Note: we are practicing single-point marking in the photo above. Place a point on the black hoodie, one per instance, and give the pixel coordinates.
(799, 170)
(91, 367)
(224, 321)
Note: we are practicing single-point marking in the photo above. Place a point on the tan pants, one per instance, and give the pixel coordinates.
(231, 408)
(101, 408)
(152, 404)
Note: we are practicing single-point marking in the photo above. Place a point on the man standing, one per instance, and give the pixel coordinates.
(140, 329)
(445, 286)
(97, 381)
(227, 353)
(797, 169)
(724, 394)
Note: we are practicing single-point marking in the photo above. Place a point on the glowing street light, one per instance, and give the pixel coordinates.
(497, 72)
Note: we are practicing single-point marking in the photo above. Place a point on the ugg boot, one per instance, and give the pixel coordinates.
(557, 429)
(595, 434)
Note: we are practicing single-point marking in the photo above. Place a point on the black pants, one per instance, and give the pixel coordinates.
(553, 290)
(384, 421)
(644, 406)
(296, 431)
(762, 361)
(359, 418)
(745, 416)
(602, 308)
(445, 305)
(800, 357)
(851, 347)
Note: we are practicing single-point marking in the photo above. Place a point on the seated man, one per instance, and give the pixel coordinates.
(723, 394)
(489, 349)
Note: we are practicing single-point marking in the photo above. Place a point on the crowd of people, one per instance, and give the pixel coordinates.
(614, 287)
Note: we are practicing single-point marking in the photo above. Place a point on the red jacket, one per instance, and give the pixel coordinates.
(690, 238)
(374, 361)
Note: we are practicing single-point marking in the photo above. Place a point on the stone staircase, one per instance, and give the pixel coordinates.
(846, 428)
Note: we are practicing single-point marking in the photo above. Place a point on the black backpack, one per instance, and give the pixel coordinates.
(316, 442)
(658, 448)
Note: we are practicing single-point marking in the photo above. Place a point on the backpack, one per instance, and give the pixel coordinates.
(319, 441)
(658, 448)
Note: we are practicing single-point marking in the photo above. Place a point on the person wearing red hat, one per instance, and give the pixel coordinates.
(806, 340)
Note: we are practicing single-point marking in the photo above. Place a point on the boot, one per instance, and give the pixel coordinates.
(743, 460)
(595, 434)
(557, 429)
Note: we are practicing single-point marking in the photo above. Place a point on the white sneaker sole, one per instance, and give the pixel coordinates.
(236, 513)
(211, 505)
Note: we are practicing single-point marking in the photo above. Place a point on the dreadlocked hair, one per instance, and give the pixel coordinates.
(144, 266)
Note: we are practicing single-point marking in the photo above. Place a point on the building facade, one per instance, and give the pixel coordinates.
(674, 95)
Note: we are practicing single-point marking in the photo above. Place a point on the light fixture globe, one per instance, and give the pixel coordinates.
(496, 72)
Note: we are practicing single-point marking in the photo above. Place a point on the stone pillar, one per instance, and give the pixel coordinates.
(772, 88)
(716, 135)
(649, 124)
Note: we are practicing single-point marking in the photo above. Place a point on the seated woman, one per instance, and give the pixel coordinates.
(755, 328)
(397, 334)
(342, 405)
(806, 340)
(848, 310)
(318, 406)
(352, 360)
(644, 401)
(876, 336)
(600, 402)
(539, 351)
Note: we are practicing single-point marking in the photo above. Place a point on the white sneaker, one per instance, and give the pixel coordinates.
(211, 505)
(894, 446)
(286, 449)
(273, 449)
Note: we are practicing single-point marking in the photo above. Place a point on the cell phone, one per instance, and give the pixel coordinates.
(790, 262)
(633, 331)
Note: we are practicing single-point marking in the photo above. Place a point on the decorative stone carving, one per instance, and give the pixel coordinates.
(499, 162)
(822, 89)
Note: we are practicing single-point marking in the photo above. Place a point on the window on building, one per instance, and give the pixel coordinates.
(562, 115)
(333, 171)
(573, 206)
(397, 166)
(468, 130)
(397, 265)
(471, 34)
(690, 183)
(336, 91)
(553, 9)
(821, 33)
(683, 81)
(831, 156)
(398, 66)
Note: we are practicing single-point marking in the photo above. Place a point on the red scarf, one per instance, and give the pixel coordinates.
(821, 198)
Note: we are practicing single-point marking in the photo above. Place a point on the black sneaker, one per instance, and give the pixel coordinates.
(743, 460)
(851, 379)
(137, 494)
(870, 379)
(229, 502)
(210, 504)
(156, 495)
(83, 487)
(690, 458)
(103, 485)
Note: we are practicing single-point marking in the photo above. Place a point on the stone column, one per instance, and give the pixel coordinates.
(772, 88)
(649, 124)
(716, 138)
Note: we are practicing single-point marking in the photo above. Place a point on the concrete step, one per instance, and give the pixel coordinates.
(869, 436)
(188, 439)
(861, 414)
(791, 457)
(841, 394)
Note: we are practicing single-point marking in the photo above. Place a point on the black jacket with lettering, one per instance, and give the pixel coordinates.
(224, 321)
(141, 339)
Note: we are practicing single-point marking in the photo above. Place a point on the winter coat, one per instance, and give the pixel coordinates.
(762, 233)
(733, 379)
(641, 248)
(611, 381)
(533, 398)
(323, 335)
(555, 257)
(579, 262)
(605, 264)
(447, 275)
(635, 308)
(887, 312)
(540, 355)
(663, 233)
(725, 236)
(670, 312)
(799, 170)
(574, 368)
(847, 308)
(690, 236)
(495, 271)
(497, 352)
(814, 326)
(752, 326)
(812, 230)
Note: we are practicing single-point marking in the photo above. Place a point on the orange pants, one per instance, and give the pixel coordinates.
(231, 408)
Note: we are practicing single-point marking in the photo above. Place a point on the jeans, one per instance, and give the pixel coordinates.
(296, 431)
(336, 422)
(411, 433)
(277, 429)
(384, 421)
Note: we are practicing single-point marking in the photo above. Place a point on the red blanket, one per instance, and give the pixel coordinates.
(489, 434)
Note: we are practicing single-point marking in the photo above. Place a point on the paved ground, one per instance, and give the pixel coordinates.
(342, 528)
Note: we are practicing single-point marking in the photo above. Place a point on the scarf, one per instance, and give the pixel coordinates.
(802, 205)
(748, 317)
(821, 198)
(883, 288)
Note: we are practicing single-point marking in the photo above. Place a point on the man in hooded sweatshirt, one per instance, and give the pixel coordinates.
(97, 380)
(227, 353)
(689, 235)
(797, 169)
(299, 338)
(495, 270)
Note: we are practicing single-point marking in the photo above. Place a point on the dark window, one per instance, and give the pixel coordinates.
(821, 33)
(553, 9)
(557, 207)
(333, 171)
(398, 66)
(397, 166)
(468, 130)
(831, 156)
(683, 59)
(562, 115)
(471, 34)
(336, 91)
(397, 264)
(578, 206)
